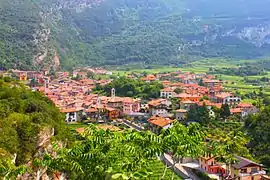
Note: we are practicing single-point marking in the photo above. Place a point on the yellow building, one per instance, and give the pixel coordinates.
(246, 169)
(23, 76)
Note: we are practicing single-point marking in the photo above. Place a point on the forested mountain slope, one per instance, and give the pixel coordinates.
(29, 123)
(104, 32)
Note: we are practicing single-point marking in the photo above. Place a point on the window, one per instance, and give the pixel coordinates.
(243, 171)
(254, 170)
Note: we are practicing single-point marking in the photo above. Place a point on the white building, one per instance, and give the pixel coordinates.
(72, 115)
(167, 93)
(180, 114)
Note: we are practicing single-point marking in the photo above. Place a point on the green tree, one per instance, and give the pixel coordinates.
(23, 114)
(201, 82)
(125, 155)
(178, 90)
(225, 111)
(199, 114)
(223, 146)
(106, 154)
(257, 127)
(131, 88)
(266, 101)
(181, 141)
(175, 103)
(8, 169)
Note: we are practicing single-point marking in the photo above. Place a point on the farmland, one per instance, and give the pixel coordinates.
(231, 82)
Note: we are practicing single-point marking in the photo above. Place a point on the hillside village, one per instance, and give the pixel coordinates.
(182, 93)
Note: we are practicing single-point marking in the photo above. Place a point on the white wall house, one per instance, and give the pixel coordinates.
(167, 93)
(231, 100)
(71, 117)
(159, 111)
(180, 114)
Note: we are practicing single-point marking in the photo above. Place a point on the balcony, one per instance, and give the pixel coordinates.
(262, 172)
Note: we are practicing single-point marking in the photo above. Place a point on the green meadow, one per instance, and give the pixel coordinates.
(231, 83)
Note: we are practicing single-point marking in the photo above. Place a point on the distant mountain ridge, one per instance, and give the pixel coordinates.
(66, 33)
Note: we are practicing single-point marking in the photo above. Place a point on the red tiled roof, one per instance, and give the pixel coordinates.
(236, 110)
(185, 95)
(211, 81)
(209, 103)
(80, 130)
(188, 102)
(244, 105)
(156, 102)
(149, 77)
(223, 95)
(160, 121)
(168, 89)
(91, 110)
(110, 109)
(68, 110)
(181, 111)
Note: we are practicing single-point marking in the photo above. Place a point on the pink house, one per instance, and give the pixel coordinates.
(130, 105)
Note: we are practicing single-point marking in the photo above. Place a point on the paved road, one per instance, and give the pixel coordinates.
(181, 170)
(132, 125)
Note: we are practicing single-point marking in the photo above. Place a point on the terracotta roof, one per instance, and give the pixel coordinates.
(185, 95)
(211, 81)
(223, 95)
(91, 110)
(236, 110)
(149, 77)
(110, 109)
(209, 103)
(127, 100)
(168, 89)
(188, 102)
(181, 111)
(68, 110)
(80, 130)
(244, 105)
(160, 121)
(115, 99)
(156, 102)
(100, 106)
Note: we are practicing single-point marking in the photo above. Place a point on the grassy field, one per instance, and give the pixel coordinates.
(201, 66)
(232, 83)
(157, 167)
(77, 125)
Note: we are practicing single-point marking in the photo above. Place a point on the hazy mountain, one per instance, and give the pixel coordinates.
(97, 32)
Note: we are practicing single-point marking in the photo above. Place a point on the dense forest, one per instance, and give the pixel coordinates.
(26, 119)
(106, 32)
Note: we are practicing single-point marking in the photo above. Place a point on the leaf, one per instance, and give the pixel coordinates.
(116, 176)
(109, 170)
(125, 177)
